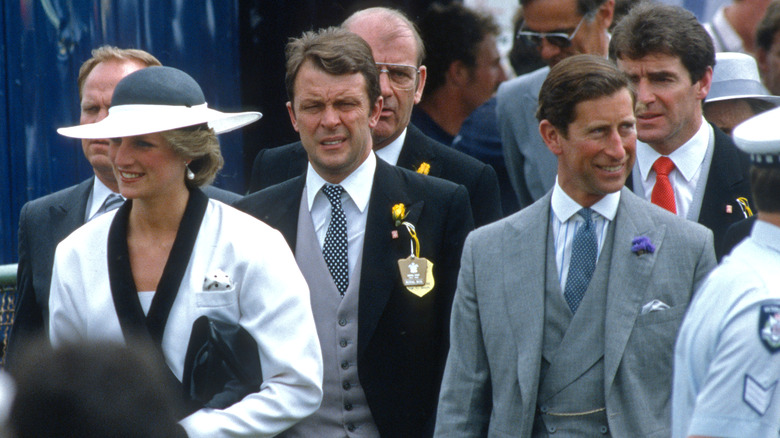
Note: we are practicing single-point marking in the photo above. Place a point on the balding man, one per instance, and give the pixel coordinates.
(398, 51)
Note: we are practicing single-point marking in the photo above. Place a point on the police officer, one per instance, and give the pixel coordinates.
(727, 359)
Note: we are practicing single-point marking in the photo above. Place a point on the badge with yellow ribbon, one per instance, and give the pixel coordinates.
(416, 271)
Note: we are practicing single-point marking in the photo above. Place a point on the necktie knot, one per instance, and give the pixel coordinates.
(587, 214)
(663, 166)
(111, 202)
(333, 193)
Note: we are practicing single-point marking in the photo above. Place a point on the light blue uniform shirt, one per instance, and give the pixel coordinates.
(726, 373)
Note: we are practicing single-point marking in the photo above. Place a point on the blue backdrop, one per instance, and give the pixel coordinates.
(42, 45)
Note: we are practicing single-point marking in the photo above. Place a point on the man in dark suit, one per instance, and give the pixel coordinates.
(378, 245)
(44, 222)
(398, 51)
(684, 164)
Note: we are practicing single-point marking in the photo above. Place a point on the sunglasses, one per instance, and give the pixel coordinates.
(558, 39)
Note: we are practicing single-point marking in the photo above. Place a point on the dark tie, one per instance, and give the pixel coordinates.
(583, 261)
(663, 193)
(335, 248)
(112, 201)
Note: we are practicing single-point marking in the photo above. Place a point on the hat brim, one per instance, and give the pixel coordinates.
(740, 89)
(131, 120)
(758, 134)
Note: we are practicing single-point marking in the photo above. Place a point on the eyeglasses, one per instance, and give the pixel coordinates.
(402, 76)
(557, 39)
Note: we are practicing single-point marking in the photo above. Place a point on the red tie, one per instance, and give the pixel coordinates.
(663, 193)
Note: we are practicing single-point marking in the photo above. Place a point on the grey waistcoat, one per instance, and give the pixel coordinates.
(572, 373)
(344, 411)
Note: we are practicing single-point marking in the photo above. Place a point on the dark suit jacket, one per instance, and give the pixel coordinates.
(43, 223)
(275, 165)
(402, 339)
(737, 232)
(729, 179)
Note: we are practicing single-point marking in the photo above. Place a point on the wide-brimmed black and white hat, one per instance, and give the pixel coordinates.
(156, 99)
(759, 137)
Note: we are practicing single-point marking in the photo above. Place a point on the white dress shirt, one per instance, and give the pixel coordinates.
(688, 161)
(354, 200)
(96, 198)
(391, 152)
(565, 222)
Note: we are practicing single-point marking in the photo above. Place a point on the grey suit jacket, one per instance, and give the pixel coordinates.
(491, 378)
(44, 223)
(530, 165)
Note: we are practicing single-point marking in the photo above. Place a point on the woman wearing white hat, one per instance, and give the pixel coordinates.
(170, 255)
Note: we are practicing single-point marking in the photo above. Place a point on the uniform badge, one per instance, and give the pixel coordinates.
(769, 327)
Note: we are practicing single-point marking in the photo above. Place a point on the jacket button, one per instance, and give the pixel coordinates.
(604, 429)
(346, 386)
(552, 429)
(343, 342)
(342, 322)
(544, 409)
(351, 427)
(344, 365)
(348, 406)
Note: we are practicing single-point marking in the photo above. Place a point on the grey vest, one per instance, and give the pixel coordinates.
(571, 379)
(344, 411)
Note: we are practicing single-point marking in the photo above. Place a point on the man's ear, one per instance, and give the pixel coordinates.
(458, 73)
(703, 85)
(420, 84)
(376, 112)
(606, 13)
(551, 136)
(291, 111)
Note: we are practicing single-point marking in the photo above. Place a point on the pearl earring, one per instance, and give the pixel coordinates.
(190, 173)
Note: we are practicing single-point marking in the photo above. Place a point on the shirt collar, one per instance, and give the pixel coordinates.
(99, 194)
(391, 152)
(687, 158)
(357, 185)
(564, 207)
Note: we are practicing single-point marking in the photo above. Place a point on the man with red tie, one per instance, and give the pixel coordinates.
(684, 164)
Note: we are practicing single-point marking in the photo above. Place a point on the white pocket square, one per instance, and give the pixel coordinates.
(653, 306)
(218, 281)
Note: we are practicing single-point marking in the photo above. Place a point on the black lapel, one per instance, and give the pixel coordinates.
(123, 290)
(379, 269)
(417, 150)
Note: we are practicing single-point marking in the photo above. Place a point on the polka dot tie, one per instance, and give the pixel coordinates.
(335, 248)
(583, 261)
(663, 193)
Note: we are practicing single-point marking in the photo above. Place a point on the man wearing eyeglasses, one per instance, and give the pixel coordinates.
(398, 51)
(559, 29)
(684, 163)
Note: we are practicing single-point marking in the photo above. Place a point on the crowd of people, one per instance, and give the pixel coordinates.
(379, 279)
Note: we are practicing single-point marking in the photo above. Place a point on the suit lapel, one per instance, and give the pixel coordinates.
(379, 273)
(524, 249)
(70, 214)
(416, 151)
(629, 277)
(724, 177)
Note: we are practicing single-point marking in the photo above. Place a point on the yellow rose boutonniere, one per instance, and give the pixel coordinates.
(399, 214)
(424, 168)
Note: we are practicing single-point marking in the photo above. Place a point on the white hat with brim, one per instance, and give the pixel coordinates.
(157, 99)
(736, 76)
(759, 137)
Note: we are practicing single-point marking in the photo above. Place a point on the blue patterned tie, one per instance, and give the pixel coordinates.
(335, 248)
(112, 202)
(583, 261)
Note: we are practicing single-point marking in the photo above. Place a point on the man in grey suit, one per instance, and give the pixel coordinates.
(558, 29)
(566, 313)
(44, 222)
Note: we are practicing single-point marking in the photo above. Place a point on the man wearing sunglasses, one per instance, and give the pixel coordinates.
(398, 51)
(559, 29)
